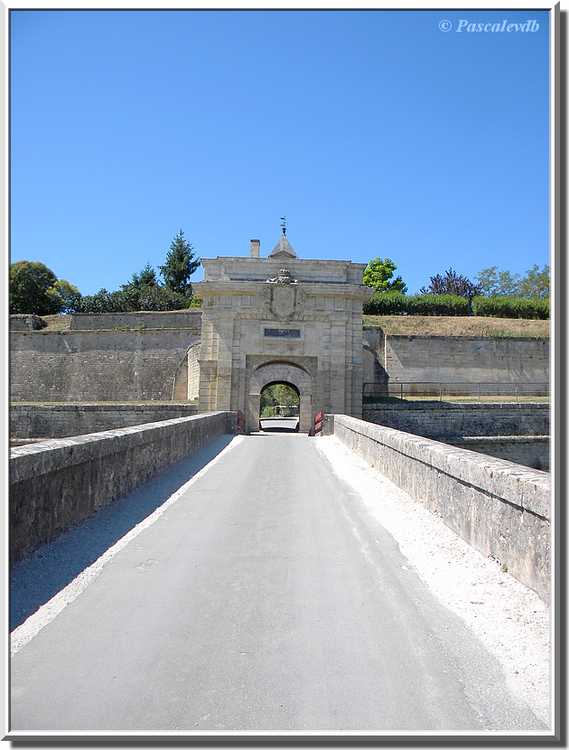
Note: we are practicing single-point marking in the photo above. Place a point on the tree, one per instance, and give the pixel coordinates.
(180, 264)
(495, 283)
(66, 296)
(378, 275)
(147, 277)
(535, 284)
(30, 282)
(451, 283)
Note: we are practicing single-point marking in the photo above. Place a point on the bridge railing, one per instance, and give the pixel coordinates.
(444, 390)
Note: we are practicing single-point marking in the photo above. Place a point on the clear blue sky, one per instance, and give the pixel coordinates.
(374, 132)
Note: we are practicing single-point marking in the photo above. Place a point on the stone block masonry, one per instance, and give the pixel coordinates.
(500, 508)
(190, 319)
(442, 420)
(515, 432)
(524, 449)
(97, 365)
(65, 420)
(58, 483)
(453, 359)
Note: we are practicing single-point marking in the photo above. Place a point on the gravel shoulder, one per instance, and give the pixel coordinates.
(509, 619)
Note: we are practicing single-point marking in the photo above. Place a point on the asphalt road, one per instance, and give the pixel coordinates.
(282, 424)
(263, 599)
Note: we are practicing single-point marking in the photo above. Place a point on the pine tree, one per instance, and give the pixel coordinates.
(180, 264)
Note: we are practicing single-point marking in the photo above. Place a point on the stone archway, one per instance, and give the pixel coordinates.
(279, 372)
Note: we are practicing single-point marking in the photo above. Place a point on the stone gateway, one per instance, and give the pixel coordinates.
(280, 319)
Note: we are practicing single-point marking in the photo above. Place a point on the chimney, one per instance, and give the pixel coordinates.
(255, 248)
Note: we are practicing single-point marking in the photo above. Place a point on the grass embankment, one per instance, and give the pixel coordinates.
(435, 325)
(416, 325)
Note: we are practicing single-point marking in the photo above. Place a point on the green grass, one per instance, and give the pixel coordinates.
(441, 325)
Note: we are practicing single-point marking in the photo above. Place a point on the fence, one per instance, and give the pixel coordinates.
(375, 392)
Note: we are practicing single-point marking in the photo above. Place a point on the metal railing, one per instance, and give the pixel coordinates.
(441, 391)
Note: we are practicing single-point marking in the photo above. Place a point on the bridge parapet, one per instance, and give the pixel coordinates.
(57, 483)
(500, 508)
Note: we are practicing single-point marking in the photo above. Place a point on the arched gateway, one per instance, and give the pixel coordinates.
(279, 372)
(280, 319)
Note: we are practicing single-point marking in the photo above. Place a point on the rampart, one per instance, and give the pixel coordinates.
(521, 449)
(441, 420)
(66, 420)
(137, 320)
(454, 359)
(500, 508)
(57, 483)
(97, 365)
(516, 432)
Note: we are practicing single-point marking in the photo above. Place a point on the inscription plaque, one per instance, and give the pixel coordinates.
(284, 333)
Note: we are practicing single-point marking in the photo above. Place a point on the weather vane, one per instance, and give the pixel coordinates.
(283, 225)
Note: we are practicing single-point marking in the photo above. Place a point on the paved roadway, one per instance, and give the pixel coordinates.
(281, 424)
(263, 599)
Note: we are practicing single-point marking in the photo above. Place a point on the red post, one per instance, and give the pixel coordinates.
(318, 422)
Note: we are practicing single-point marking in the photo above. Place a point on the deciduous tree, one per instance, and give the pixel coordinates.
(379, 276)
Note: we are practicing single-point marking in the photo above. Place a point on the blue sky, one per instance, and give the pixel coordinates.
(376, 133)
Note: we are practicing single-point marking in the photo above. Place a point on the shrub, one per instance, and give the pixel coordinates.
(386, 303)
(437, 304)
(395, 303)
(511, 307)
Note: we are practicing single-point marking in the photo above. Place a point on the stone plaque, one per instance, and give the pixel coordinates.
(284, 333)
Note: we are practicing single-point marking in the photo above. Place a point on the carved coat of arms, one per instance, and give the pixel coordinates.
(283, 295)
(283, 301)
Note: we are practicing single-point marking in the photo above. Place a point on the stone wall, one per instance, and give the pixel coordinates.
(500, 508)
(515, 432)
(526, 450)
(441, 420)
(58, 483)
(194, 372)
(460, 359)
(65, 420)
(137, 320)
(26, 323)
(96, 365)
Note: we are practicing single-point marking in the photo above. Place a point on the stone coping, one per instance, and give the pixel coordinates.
(527, 489)
(41, 458)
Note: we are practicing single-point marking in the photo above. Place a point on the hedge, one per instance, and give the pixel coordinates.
(395, 303)
(511, 307)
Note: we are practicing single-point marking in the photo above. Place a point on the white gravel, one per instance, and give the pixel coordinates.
(510, 620)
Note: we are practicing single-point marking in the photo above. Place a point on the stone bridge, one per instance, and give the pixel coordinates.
(175, 576)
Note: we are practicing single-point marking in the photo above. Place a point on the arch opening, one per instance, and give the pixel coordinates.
(279, 409)
(274, 372)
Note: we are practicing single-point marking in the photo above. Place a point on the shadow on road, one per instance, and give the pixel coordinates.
(290, 430)
(34, 580)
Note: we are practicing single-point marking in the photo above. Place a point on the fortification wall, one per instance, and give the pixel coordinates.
(96, 365)
(141, 356)
(524, 450)
(441, 420)
(514, 432)
(65, 420)
(58, 483)
(461, 359)
(500, 508)
(137, 320)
